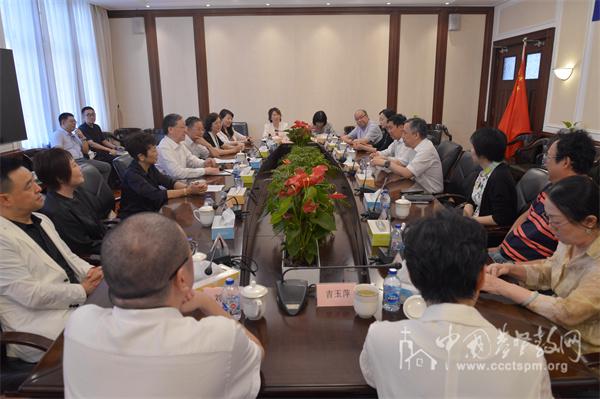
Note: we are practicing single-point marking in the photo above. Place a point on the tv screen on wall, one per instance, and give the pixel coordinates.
(12, 123)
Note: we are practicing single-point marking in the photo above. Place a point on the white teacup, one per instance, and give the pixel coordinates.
(254, 303)
(350, 154)
(240, 157)
(205, 215)
(343, 145)
(402, 207)
(366, 300)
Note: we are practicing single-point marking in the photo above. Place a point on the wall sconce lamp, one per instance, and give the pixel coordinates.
(563, 73)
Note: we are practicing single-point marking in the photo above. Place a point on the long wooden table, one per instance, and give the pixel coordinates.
(316, 353)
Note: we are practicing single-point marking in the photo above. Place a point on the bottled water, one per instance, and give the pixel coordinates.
(385, 200)
(391, 291)
(231, 299)
(237, 179)
(396, 244)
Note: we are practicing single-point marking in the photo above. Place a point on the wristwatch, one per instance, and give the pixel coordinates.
(386, 164)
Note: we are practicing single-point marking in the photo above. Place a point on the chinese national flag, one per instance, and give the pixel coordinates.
(515, 120)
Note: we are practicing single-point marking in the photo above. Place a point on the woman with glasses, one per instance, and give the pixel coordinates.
(572, 273)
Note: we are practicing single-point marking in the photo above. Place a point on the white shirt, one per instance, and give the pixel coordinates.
(399, 151)
(196, 149)
(237, 137)
(269, 130)
(427, 168)
(425, 358)
(67, 141)
(177, 161)
(145, 353)
(35, 293)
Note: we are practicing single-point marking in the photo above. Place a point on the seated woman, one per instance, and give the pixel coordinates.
(320, 124)
(73, 210)
(387, 139)
(493, 201)
(227, 134)
(141, 185)
(573, 272)
(275, 127)
(211, 140)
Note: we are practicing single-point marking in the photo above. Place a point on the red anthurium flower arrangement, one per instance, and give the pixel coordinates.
(299, 133)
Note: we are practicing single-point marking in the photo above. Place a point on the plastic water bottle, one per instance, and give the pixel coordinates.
(231, 299)
(396, 244)
(385, 200)
(237, 179)
(391, 291)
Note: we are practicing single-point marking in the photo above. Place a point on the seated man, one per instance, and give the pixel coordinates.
(425, 167)
(74, 141)
(397, 152)
(193, 133)
(464, 355)
(530, 236)
(73, 210)
(144, 188)
(41, 280)
(365, 132)
(144, 346)
(386, 140)
(174, 159)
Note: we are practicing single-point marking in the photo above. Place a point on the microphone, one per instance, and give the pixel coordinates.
(343, 157)
(372, 213)
(363, 189)
(209, 271)
(352, 172)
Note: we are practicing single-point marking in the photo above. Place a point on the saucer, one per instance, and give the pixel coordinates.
(414, 307)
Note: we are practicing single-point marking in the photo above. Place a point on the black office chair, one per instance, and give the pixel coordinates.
(95, 185)
(449, 152)
(240, 127)
(436, 133)
(460, 181)
(121, 163)
(530, 185)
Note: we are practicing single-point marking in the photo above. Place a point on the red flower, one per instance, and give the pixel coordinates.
(337, 196)
(287, 161)
(319, 170)
(309, 206)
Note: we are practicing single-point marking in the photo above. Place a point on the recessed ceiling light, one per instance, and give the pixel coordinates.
(208, 5)
(388, 3)
(147, 5)
(267, 4)
(327, 4)
(447, 3)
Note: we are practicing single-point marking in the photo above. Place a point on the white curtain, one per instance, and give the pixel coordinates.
(57, 62)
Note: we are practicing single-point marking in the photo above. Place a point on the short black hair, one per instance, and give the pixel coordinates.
(388, 112)
(209, 120)
(170, 121)
(53, 167)
(579, 148)
(191, 121)
(319, 117)
(140, 254)
(445, 254)
(418, 125)
(7, 166)
(139, 144)
(397, 119)
(489, 143)
(576, 197)
(86, 108)
(274, 109)
(64, 116)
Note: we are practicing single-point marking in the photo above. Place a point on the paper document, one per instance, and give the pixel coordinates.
(214, 188)
(222, 161)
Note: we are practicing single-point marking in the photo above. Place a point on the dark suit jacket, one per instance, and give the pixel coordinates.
(141, 191)
(209, 138)
(499, 197)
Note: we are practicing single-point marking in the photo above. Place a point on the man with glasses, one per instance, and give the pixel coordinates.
(531, 237)
(365, 132)
(144, 346)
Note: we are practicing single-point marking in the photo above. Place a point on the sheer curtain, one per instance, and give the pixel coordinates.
(57, 62)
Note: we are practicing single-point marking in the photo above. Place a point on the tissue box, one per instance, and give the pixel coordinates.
(371, 201)
(368, 182)
(247, 176)
(218, 280)
(379, 232)
(225, 230)
(255, 163)
(238, 194)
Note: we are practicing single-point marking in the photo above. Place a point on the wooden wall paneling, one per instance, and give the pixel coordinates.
(440, 67)
(201, 68)
(393, 61)
(485, 68)
(154, 69)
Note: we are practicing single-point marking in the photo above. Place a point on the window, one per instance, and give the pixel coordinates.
(508, 71)
(532, 67)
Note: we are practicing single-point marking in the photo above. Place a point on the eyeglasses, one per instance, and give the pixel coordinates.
(193, 247)
(553, 220)
(360, 117)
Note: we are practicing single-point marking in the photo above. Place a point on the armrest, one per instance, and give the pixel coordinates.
(456, 200)
(27, 339)
(592, 359)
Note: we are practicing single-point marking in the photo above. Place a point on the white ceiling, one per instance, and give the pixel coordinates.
(165, 4)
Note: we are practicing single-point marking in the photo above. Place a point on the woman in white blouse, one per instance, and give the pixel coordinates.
(227, 134)
(275, 127)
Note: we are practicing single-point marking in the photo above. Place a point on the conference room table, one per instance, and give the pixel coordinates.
(316, 353)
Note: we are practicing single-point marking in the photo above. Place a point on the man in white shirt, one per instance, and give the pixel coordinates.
(174, 159)
(425, 167)
(193, 134)
(452, 351)
(365, 132)
(397, 151)
(41, 280)
(144, 346)
(68, 137)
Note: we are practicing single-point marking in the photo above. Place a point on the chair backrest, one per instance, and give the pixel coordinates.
(122, 133)
(436, 132)
(241, 127)
(95, 185)
(449, 152)
(121, 163)
(462, 176)
(530, 185)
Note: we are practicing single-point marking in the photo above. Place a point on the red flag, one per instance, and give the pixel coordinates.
(515, 120)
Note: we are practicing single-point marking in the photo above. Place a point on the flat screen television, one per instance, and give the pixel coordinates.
(12, 123)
